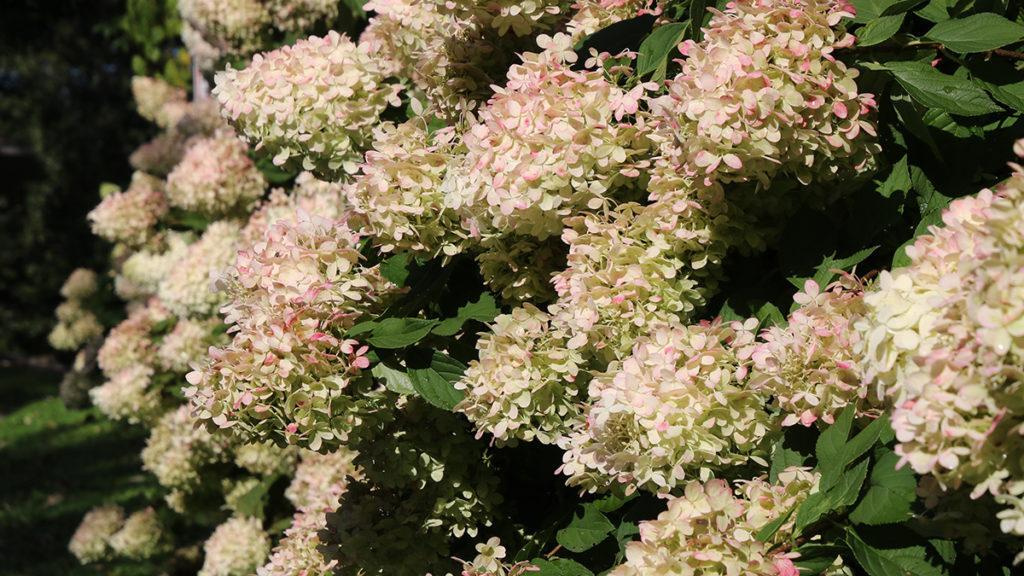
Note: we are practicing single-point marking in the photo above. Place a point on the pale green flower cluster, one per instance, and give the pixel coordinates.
(91, 540)
(236, 548)
(142, 536)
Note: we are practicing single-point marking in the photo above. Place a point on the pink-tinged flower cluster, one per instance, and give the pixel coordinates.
(158, 101)
(309, 195)
(129, 343)
(215, 176)
(188, 290)
(589, 16)
(187, 343)
(678, 407)
(811, 366)
(231, 26)
(944, 337)
(317, 100)
(711, 529)
(520, 18)
(399, 190)
(622, 277)
(762, 95)
(298, 552)
(141, 537)
(129, 217)
(91, 540)
(548, 144)
(527, 383)
(178, 450)
(128, 395)
(291, 297)
(320, 480)
(142, 272)
(402, 32)
(236, 548)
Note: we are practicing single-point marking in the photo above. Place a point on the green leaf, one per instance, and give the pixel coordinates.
(586, 531)
(394, 380)
(814, 507)
(435, 383)
(770, 315)
(396, 269)
(829, 447)
(909, 561)
(484, 310)
(783, 458)
(976, 33)
(898, 179)
(825, 272)
(768, 530)
(909, 115)
(890, 493)
(612, 502)
(935, 11)
(815, 558)
(879, 30)
(253, 501)
(864, 440)
(361, 328)
(846, 492)
(559, 567)
(937, 90)
(393, 333)
(656, 47)
(624, 535)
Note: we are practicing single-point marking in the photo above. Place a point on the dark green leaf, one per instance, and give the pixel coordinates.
(586, 531)
(879, 30)
(890, 493)
(783, 458)
(937, 90)
(393, 333)
(909, 561)
(559, 567)
(253, 501)
(484, 310)
(976, 33)
(396, 269)
(655, 49)
(395, 380)
(898, 179)
(768, 530)
(829, 447)
(435, 383)
(770, 315)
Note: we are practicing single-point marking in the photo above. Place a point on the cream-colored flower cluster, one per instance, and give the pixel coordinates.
(91, 540)
(519, 268)
(215, 176)
(187, 343)
(520, 18)
(188, 290)
(944, 337)
(158, 101)
(286, 371)
(129, 217)
(141, 537)
(214, 28)
(177, 451)
(142, 272)
(236, 548)
(317, 100)
(589, 16)
(711, 529)
(76, 325)
(679, 406)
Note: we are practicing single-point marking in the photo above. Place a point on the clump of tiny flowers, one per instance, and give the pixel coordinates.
(403, 31)
(298, 552)
(762, 94)
(236, 548)
(129, 343)
(548, 144)
(521, 18)
(188, 290)
(142, 272)
(711, 529)
(399, 190)
(232, 26)
(317, 100)
(527, 383)
(141, 536)
(76, 326)
(301, 15)
(811, 365)
(127, 395)
(589, 16)
(186, 344)
(308, 196)
(129, 217)
(266, 459)
(177, 450)
(215, 177)
(622, 277)
(91, 540)
(320, 479)
(677, 407)
(158, 101)
(944, 337)
(291, 298)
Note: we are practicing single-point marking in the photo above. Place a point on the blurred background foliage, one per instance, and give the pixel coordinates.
(67, 123)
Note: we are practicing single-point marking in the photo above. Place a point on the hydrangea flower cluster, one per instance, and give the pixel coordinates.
(187, 343)
(142, 272)
(177, 450)
(546, 145)
(128, 344)
(189, 290)
(589, 16)
(266, 459)
(236, 548)
(142, 536)
(520, 18)
(232, 26)
(76, 324)
(712, 528)
(127, 395)
(286, 372)
(158, 101)
(527, 383)
(490, 561)
(811, 366)
(301, 15)
(129, 217)
(399, 190)
(679, 406)
(317, 99)
(91, 540)
(943, 337)
(214, 177)
(519, 268)
(309, 196)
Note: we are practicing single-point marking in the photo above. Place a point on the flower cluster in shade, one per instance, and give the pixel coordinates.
(679, 406)
(286, 372)
(178, 450)
(519, 18)
(490, 561)
(105, 534)
(316, 100)
(76, 324)
(91, 540)
(943, 338)
(589, 16)
(712, 528)
(158, 101)
(129, 216)
(214, 177)
(214, 28)
(236, 548)
(190, 290)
